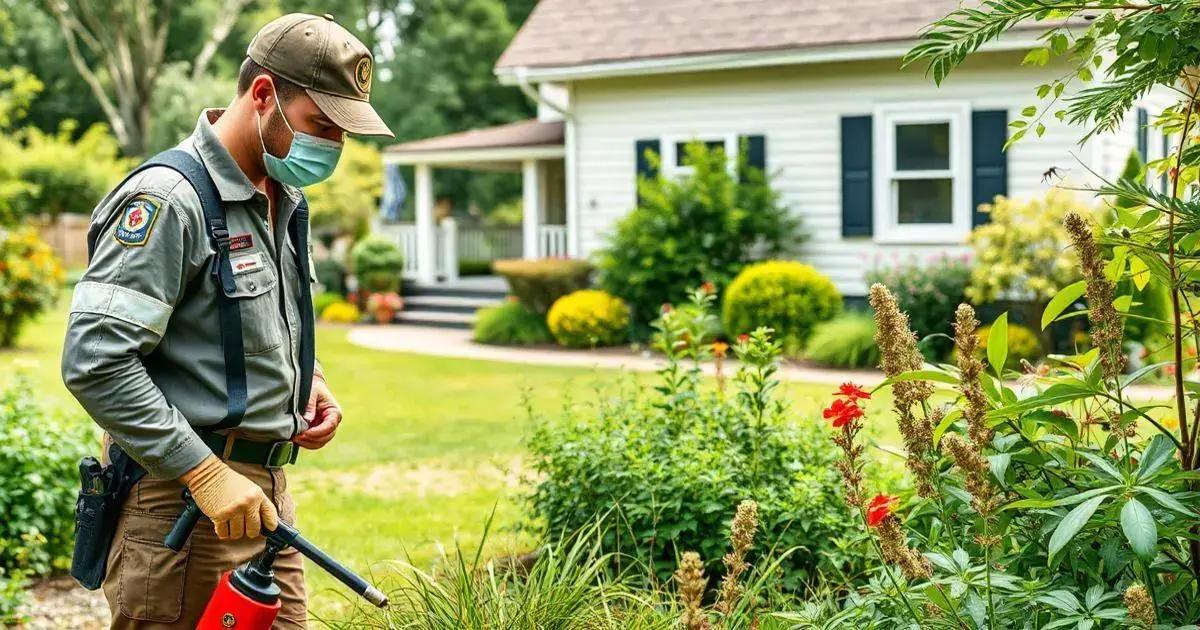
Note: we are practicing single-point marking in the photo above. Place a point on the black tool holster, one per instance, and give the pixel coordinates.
(96, 516)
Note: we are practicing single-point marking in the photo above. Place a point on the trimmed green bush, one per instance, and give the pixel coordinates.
(510, 324)
(786, 296)
(589, 319)
(331, 274)
(39, 456)
(539, 283)
(378, 264)
(846, 341)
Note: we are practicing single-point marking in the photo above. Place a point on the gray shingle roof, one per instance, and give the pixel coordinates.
(523, 133)
(573, 32)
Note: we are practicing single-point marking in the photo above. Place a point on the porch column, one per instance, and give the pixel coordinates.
(426, 229)
(531, 209)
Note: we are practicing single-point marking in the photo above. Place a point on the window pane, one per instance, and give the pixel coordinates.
(924, 201)
(923, 147)
(681, 149)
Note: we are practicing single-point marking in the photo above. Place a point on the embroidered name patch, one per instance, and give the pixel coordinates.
(246, 263)
(238, 242)
(137, 220)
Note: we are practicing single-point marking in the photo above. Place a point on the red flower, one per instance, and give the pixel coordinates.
(708, 288)
(842, 411)
(744, 338)
(879, 509)
(852, 392)
(667, 308)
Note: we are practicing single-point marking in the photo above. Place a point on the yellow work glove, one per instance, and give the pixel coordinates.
(236, 505)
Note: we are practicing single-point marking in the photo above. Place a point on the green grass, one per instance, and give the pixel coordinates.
(428, 449)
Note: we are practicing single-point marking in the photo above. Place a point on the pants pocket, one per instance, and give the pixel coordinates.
(151, 580)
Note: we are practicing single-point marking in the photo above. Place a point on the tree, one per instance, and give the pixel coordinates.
(119, 48)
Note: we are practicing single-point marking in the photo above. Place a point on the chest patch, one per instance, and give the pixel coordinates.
(137, 221)
(247, 263)
(238, 242)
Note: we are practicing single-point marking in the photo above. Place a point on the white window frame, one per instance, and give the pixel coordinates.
(887, 116)
(670, 160)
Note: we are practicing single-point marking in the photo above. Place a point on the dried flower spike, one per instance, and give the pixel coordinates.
(689, 578)
(1140, 606)
(1106, 322)
(741, 537)
(966, 343)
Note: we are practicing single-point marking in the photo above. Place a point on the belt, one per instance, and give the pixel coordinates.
(235, 449)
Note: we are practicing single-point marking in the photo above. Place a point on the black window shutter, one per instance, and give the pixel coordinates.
(756, 151)
(856, 176)
(989, 164)
(644, 167)
(1143, 132)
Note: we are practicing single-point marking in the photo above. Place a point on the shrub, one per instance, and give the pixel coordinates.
(1023, 252)
(322, 301)
(929, 292)
(1023, 345)
(703, 226)
(475, 268)
(341, 313)
(64, 174)
(39, 456)
(785, 296)
(331, 275)
(846, 341)
(378, 264)
(30, 277)
(539, 283)
(589, 318)
(510, 324)
(667, 464)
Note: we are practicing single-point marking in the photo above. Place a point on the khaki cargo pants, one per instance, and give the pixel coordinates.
(149, 586)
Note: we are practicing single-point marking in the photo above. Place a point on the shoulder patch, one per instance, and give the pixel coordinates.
(137, 220)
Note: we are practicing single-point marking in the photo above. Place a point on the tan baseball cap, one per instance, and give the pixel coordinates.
(329, 62)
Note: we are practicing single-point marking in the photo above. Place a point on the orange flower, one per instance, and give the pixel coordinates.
(667, 308)
(720, 349)
(880, 508)
(852, 392)
(842, 412)
(708, 288)
(743, 338)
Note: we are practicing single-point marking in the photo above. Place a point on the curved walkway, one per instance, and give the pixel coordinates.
(445, 342)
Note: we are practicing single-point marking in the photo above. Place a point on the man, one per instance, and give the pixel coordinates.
(150, 350)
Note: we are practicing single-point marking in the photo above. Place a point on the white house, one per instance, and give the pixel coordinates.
(876, 159)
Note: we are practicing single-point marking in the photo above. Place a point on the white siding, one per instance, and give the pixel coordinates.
(798, 109)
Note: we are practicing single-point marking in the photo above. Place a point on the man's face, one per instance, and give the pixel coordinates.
(302, 114)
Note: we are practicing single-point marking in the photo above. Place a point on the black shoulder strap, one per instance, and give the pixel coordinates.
(228, 310)
(298, 231)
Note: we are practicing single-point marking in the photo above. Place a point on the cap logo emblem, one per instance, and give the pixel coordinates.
(362, 74)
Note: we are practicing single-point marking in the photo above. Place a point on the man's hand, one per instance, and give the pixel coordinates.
(236, 505)
(323, 415)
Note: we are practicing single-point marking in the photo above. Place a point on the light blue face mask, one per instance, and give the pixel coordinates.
(309, 160)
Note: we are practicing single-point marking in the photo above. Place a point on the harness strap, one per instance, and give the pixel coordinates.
(228, 311)
(298, 231)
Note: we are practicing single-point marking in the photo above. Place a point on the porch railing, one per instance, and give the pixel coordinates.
(455, 243)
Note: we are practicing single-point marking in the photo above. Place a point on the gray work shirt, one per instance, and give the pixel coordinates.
(143, 346)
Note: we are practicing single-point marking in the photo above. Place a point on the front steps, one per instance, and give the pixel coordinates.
(446, 306)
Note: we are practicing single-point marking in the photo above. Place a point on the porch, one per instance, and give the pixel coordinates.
(435, 246)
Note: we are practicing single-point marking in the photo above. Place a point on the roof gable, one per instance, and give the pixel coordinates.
(576, 32)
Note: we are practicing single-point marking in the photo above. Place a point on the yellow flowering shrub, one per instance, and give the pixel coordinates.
(589, 318)
(30, 277)
(1023, 251)
(341, 313)
(786, 296)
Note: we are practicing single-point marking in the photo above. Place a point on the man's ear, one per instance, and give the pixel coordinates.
(262, 93)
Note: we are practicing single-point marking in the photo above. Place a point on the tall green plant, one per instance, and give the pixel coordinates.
(705, 225)
(1067, 502)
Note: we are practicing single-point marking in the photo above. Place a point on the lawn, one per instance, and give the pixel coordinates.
(429, 447)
